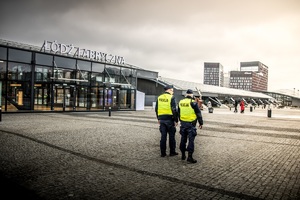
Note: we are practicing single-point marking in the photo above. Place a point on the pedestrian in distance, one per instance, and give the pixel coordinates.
(209, 106)
(189, 113)
(166, 113)
(242, 105)
(235, 106)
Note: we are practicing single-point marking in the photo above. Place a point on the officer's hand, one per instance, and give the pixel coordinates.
(176, 123)
(200, 126)
(158, 121)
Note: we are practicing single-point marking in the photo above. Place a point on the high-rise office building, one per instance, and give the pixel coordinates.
(226, 79)
(213, 74)
(253, 76)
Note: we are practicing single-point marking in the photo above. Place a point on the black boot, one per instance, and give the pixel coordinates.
(173, 154)
(183, 156)
(190, 158)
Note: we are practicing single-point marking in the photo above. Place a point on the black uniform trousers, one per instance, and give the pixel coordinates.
(167, 126)
(188, 131)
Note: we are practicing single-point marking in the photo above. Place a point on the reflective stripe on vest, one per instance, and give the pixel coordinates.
(164, 104)
(187, 113)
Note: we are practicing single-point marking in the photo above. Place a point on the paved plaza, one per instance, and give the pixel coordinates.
(89, 155)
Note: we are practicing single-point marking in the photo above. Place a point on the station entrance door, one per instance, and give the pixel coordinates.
(64, 97)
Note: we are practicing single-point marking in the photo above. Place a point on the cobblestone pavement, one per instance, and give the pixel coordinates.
(89, 155)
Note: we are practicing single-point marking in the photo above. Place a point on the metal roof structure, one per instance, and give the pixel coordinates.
(287, 92)
(210, 90)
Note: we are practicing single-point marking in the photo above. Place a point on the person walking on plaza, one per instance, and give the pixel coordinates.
(235, 106)
(189, 113)
(167, 116)
(209, 104)
(242, 105)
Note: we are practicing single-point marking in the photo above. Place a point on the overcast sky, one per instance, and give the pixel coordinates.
(172, 37)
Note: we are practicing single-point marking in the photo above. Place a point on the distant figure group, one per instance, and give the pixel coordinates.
(242, 106)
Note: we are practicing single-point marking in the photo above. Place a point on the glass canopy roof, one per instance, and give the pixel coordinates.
(209, 90)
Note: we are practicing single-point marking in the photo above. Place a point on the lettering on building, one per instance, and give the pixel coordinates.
(70, 49)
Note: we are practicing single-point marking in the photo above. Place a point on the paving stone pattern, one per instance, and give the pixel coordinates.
(89, 155)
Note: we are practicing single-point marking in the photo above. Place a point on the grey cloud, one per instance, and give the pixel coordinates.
(170, 36)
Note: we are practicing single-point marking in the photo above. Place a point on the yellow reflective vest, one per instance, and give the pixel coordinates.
(187, 113)
(164, 104)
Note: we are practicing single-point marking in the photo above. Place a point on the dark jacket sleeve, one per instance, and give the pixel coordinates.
(156, 109)
(178, 112)
(174, 109)
(198, 112)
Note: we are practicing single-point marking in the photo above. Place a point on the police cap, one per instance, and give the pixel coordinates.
(168, 87)
(189, 91)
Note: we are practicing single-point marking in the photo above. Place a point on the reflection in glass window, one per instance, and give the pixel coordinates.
(18, 71)
(19, 55)
(18, 95)
(112, 70)
(147, 74)
(2, 69)
(3, 53)
(133, 82)
(83, 65)
(97, 78)
(126, 72)
(65, 62)
(112, 74)
(83, 76)
(43, 59)
(125, 76)
(60, 73)
(134, 72)
(97, 67)
(42, 73)
(69, 74)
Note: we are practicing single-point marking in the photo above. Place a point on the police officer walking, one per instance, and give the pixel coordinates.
(167, 116)
(189, 114)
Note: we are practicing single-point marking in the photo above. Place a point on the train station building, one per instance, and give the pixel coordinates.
(63, 77)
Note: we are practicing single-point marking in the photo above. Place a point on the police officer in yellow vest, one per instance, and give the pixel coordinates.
(167, 116)
(189, 114)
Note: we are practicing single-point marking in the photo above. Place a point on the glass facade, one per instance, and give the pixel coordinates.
(36, 81)
(241, 80)
(259, 73)
(282, 99)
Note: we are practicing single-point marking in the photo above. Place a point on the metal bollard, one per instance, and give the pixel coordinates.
(0, 114)
(251, 108)
(109, 111)
(269, 112)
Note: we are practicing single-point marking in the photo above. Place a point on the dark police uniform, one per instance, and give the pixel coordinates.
(189, 113)
(166, 113)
